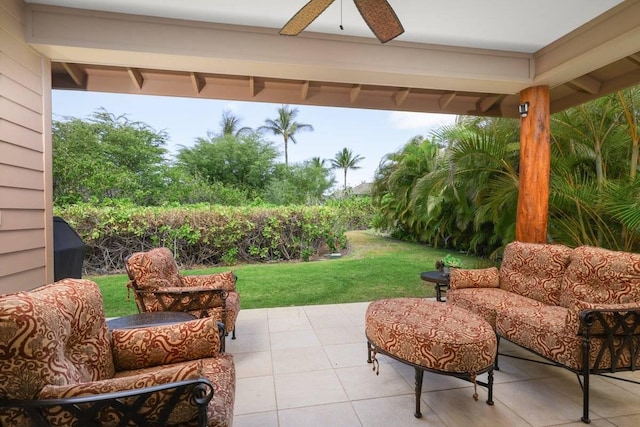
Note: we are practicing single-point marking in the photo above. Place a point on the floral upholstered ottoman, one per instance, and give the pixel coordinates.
(434, 337)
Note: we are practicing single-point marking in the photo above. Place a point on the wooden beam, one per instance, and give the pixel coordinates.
(198, 82)
(252, 87)
(635, 58)
(78, 76)
(305, 90)
(587, 84)
(446, 99)
(136, 77)
(355, 92)
(400, 96)
(489, 101)
(532, 213)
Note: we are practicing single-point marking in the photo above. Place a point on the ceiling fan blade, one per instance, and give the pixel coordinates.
(304, 17)
(380, 18)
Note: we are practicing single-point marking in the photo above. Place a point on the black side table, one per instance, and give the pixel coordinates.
(152, 318)
(441, 282)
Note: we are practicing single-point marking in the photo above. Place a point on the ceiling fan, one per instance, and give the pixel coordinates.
(378, 15)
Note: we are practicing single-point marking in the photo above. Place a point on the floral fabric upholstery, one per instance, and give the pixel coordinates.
(154, 269)
(157, 270)
(163, 345)
(54, 342)
(534, 270)
(487, 302)
(545, 331)
(601, 276)
(184, 410)
(432, 335)
(477, 278)
(543, 289)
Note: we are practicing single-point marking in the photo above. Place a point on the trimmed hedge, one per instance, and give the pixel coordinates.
(204, 235)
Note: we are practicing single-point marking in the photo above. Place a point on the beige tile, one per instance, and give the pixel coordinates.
(308, 388)
(285, 312)
(343, 355)
(254, 364)
(457, 408)
(540, 402)
(249, 343)
(252, 313)
(597, 423)
(341, 335)
(519, 370)
(355, 312)
(430, 381)
(260, 419)
(294, 339)
(322, 309)
(336, 320)
(626, 421)
(255, 394)
(360, 382)
(606, 399)
(285, 324)
(290, 360)
(334, 415)
(252, 326)
(395, 411)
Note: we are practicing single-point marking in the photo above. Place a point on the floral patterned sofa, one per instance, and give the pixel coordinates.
(60, 365)
(579, 308)
(159, 286)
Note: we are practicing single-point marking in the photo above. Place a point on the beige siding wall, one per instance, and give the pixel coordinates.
(26, 244)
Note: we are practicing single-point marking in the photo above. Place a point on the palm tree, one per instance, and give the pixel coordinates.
(317, 162)
(230, 125)
(345, 160)
(286, 126)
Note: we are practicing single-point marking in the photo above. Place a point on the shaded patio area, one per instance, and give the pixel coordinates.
(306, 366)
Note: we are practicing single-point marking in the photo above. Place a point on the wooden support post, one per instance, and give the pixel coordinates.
(535, 164)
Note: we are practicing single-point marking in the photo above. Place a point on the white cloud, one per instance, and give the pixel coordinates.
(426, 121)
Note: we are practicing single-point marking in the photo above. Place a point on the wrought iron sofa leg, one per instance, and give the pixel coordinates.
(585, 378)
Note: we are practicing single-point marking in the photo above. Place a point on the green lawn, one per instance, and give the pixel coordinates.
(375, 267)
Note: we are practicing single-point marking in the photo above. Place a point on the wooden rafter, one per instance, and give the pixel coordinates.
(198, 81)
(78, 76)
(355, 92)
(484, 104)
(136, 77)
(305, 90)
(587, 84)
(400, 96)
(446, 99)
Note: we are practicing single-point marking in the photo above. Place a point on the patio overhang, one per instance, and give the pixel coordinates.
(117, 52)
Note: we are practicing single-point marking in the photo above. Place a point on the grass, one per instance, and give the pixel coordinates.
(374, 267)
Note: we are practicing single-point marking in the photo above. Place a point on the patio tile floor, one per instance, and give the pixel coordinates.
(306, 366)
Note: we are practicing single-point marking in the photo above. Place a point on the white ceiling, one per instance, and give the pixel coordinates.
(512, 25)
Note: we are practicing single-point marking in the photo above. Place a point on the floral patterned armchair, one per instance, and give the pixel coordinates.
(158, 286)
(60, 365)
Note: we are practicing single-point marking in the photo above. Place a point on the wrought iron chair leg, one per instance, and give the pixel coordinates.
(369, 352)
(495, 362)
(233, 334)
(490, 388)
(419, 376)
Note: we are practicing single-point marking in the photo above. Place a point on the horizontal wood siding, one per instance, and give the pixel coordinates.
(25, 212)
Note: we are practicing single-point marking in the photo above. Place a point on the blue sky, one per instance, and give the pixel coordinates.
(369, 133)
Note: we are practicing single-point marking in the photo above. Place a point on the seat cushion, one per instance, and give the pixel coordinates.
(183, 409)
(485, 302)
(431, 335)
(534, 270)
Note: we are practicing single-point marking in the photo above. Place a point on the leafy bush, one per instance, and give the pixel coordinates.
(204, 234)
